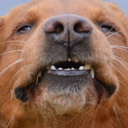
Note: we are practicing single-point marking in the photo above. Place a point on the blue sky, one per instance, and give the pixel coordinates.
(6, 5)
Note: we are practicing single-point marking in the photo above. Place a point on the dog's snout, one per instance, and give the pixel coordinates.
(68, 29)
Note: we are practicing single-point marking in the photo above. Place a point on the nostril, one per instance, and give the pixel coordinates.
(68, 29)
(78, 28)
(82, 27)
(58, 28)
(54, 27)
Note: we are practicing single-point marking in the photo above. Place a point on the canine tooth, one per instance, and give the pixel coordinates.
(60, 68)
(81, 68)
(76, 61)
(92, 73)
(87, 67)
(69, 59)
(72, 68)
(53, 67)
(39, 74)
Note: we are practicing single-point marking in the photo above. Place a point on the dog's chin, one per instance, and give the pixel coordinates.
(67, 95)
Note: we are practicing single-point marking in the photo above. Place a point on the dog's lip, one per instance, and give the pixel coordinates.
(68, 72)
(68, 68)
(53, 71)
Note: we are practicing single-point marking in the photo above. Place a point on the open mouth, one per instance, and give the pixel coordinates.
(69, 68)
(62, 71)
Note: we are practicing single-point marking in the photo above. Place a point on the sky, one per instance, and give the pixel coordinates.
(7, 5)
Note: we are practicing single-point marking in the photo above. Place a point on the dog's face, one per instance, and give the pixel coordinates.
(61, 59)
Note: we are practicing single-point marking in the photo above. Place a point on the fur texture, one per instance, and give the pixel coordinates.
(43, 33)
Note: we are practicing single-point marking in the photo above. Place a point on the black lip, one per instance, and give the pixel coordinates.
(21, 94)
(67, 72)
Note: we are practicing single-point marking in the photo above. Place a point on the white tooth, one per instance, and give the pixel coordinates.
(67, 69)
(60, 68)
(72, 68)
(92, 73)
(39, 74)
(87, 67)
(53, 67)
(69, 59)
(81, 68)
(76, 61)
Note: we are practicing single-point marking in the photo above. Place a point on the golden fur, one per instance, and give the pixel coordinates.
(26, 49)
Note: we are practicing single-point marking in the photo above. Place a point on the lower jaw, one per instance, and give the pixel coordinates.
(67, 95)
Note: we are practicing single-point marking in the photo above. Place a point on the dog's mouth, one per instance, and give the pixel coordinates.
(67, 75)
(69, 68)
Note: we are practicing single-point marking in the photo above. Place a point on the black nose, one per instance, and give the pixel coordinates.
(68, 29)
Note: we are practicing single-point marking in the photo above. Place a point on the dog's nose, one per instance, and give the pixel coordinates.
(68, 29)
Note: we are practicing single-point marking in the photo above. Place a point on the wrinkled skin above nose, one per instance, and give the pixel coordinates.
(68, 29)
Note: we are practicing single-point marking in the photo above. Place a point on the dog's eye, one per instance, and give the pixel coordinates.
(24, 29)
(107, 28)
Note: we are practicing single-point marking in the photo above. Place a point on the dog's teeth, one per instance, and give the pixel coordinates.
(81, 68)
(69, 59)
(60, 68)
(39, 74)
(92, 73)
(53, 67)
(76, 61)
(87, 67)
(67, 69)
(72, 68)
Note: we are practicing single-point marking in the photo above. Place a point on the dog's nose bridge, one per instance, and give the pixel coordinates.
(68, 29)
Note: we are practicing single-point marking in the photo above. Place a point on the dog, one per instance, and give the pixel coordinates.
(64, 64)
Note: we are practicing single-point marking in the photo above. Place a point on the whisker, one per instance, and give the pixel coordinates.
(10, 66)
(117, 116)
(120, 49)
(10, 52)
(19, 41)
(112, 35)
(120, 63)
(121, 60)
(123, 83)
(12, 44)
(10, 122)
(116, 33)
(20, 70)
(119, 46)
(14, 77)
(109, 31)
(118, 70)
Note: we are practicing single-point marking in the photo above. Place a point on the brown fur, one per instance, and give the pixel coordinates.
(54, 109)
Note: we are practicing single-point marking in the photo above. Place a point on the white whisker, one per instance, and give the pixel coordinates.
(109, 31)
(10, 122)
(14, 77)
(117, 33)
(19, 41)
(119, 46)
(120, 63)
(123, 83)
(121, 49)
(13, 44)
(118, 70)
(10, 52)
(10, 66)
(112, 35)
(117, 116)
